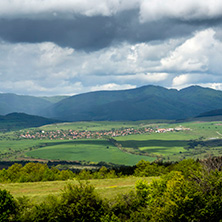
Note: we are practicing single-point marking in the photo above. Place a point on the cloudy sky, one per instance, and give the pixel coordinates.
(54, 47)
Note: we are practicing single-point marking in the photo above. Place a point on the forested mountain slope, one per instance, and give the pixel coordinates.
(10, 103)
(147, 102)
(15, 121)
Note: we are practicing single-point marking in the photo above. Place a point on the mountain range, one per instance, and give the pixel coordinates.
(147, 102)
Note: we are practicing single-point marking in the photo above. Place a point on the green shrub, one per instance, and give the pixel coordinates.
(81, 203)
(146, 169)
(7, 206)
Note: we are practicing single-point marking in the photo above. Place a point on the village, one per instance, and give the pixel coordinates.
(85, 134)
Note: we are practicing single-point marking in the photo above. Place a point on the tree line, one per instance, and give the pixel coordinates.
(34, 172)
(190, 192)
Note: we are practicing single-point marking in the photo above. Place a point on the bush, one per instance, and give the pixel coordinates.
(146, 169)
(81, 203)
(7, 206)
(76, 203)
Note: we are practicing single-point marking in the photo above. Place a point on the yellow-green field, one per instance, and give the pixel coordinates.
(169, 146)
(107, 188)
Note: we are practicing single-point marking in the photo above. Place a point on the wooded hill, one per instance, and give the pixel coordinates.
(16, 121)
(147, 102)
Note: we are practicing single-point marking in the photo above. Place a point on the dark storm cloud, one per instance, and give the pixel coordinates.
(84, 33)
(93, 33)
(52, 47)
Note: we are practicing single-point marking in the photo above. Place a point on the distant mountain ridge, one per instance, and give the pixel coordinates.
(147, 102)
(32, 105)
(10, 103)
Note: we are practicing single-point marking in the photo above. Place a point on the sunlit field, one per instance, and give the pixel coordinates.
(107, 188)
(127, 150)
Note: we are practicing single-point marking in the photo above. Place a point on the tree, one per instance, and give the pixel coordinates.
(178, 197)
(145, 168)
(81, 203)
(7, 205)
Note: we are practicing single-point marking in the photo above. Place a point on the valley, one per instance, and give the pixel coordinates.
(115, 143)
(131, 160)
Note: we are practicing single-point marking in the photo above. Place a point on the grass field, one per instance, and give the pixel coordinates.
(94, 126)
(171, 144)
(88, 150)
(106, 188)
(101, 125)
(168, 146)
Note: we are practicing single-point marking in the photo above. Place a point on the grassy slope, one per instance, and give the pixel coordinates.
(107, 188)
(89, 150)
(100, 125)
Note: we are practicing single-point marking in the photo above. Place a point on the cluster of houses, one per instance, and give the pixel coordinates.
(85, 134)
(177, 129)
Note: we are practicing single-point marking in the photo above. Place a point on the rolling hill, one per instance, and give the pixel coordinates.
(147, 102)
(15, 121)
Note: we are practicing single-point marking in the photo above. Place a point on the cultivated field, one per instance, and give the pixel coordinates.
(88, 150)
(114, 142)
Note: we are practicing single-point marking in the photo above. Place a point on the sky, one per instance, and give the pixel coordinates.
(54, 47)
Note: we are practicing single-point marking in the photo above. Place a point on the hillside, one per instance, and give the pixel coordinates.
(10, 103)
(217, 112)
(147, 102)
(15, 121)
(54, 99)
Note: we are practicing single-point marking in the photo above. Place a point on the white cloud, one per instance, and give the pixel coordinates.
(67, 8)
(112, 86)
(145, 77)
(194, 53)
(51, 54)
(216, 86)
(48, 69)
(181, 80)
(202, 79)
(152, 10)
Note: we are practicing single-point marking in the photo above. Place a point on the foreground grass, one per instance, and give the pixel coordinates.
(106, 188)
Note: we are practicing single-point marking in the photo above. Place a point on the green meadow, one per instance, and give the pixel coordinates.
(94, 126)
(100, 125)
(106, 188)
(171, 145)
(128, 150)
(88, 150)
